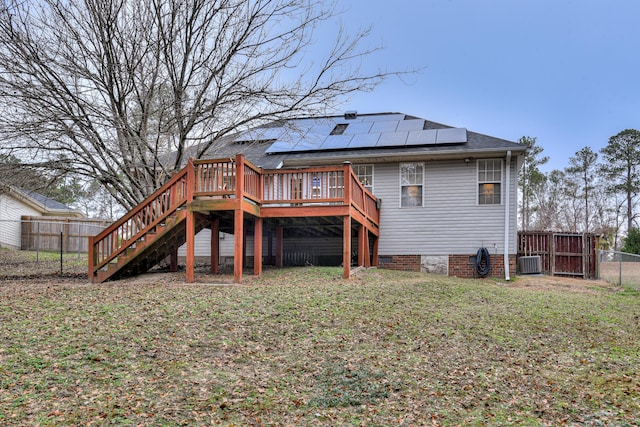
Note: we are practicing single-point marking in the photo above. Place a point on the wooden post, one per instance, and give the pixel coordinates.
(91, 259)
(270, 248)
(257, 247)
(346, 181)
(191, 224)
(365, 247)
(361, 251)
(173, 261)
(279, 245)
(238, 237)
(374, 261)
(215, 246)
(346, 246)
(244, 245)
(239, 177)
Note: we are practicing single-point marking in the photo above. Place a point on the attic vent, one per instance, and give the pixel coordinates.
(530, 264)
(350, 115)
(339, 129)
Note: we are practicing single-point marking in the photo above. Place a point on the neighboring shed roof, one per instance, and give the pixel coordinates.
(45, 201)
(364, 138)
(43, 204)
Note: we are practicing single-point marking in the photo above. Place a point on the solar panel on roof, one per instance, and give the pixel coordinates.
(308, 144)
(364, 140)
(280, 147)
(357, 128)
(384, 126)
(392, 139)
(411, 125)
(422, 137)
(336, 142)
(390, 130)
(261, 134)
(452, 135)
(321, 129)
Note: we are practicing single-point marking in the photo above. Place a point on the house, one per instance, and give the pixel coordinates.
(425, 197)
(15, 204)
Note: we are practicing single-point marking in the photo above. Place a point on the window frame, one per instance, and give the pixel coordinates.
(356, 168)
(421, 184)
(480, 182)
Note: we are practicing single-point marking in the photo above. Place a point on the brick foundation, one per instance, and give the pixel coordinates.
(400, 262)
(459, 265)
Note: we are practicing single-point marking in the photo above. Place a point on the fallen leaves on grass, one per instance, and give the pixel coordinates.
(306, 347)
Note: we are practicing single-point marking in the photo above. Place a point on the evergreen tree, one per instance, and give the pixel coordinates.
(621, 168)
(632, 241)
(583, 168)
(530, 179)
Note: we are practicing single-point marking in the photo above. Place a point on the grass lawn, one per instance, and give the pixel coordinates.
(305, 347)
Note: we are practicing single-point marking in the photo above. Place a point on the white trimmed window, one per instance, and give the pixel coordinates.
(365, 175)
(411, 184)
(490, 182)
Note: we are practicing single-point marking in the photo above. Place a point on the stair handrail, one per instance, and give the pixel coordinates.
(117, 247)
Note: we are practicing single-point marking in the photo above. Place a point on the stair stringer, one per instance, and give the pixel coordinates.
(155, 248)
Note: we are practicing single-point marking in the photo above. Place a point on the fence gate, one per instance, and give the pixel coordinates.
(569, 254)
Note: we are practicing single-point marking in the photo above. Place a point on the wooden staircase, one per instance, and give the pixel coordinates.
(149, 233)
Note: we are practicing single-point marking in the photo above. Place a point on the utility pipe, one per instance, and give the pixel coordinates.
(507, 203)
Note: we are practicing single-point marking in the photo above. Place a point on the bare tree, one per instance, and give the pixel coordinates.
(550, 202)
(105, 89)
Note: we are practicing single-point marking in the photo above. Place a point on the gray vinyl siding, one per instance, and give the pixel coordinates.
(316, 248)
(451, 221)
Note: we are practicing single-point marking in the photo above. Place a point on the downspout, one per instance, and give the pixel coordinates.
(507, 204)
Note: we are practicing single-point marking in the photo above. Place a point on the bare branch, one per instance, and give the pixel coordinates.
(113, 86)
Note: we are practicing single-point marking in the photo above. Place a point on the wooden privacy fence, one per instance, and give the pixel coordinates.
(568, 254)
(46, 233)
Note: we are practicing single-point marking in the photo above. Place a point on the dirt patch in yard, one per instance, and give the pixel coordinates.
(543, 282)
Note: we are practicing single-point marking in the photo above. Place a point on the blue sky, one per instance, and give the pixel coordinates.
(564, 71)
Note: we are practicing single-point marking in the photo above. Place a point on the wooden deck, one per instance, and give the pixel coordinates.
(197, 196)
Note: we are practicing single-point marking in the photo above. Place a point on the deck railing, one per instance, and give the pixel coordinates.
(216, 177)
(324, 185)
(127, 230)
(320, 185)
(363, 200)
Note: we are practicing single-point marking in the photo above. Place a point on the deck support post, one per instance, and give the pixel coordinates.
(346, 246)
(238, 238)
(257, 247)
(279, 245)
(374, 261)
(244, 245)
(362, 231)
(365, 248)
(190, 224)
(215, 246)
(173, 261)
(191, 231)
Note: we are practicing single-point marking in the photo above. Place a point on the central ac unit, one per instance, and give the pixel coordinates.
(530, 265)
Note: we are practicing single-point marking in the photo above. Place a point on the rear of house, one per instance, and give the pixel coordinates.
(444, 193)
